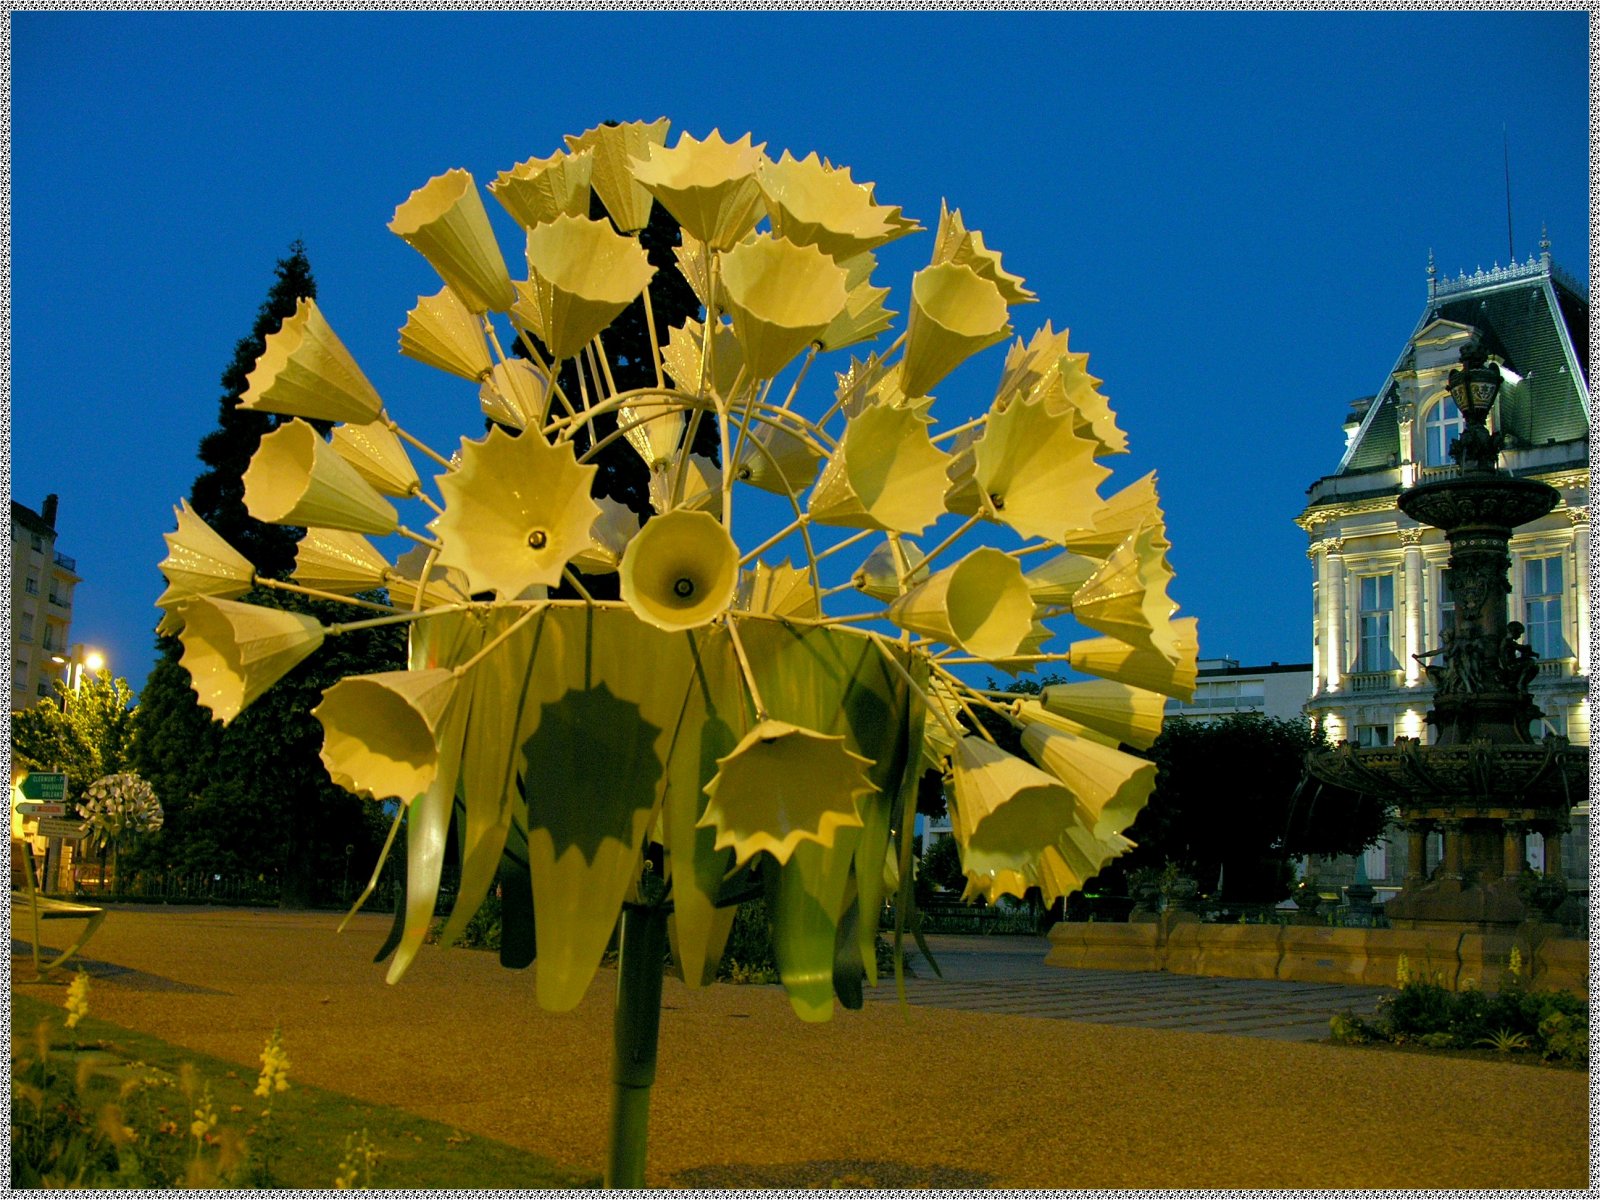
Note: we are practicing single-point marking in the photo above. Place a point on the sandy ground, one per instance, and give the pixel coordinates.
(750, 1096)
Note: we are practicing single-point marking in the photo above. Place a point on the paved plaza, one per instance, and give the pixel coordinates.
(1006, 1073)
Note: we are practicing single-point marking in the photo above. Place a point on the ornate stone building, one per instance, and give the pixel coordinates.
(42, 580)
(1380, 588)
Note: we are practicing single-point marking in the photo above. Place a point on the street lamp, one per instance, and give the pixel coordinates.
(75, 663)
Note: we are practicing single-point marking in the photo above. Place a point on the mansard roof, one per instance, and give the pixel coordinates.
(1533, 318)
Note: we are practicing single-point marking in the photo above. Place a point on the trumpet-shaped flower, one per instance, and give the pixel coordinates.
(200, 563)
(539, 190)
(443, 332)
(781, 786)
(378, 731)
(445, 222)
(814, 204)
(955, 243)
(886, 474)
(617, 148)
(515, 512)
(709, 187)
(781, 297)
(583, 275)
(305, 371)
(234, 652)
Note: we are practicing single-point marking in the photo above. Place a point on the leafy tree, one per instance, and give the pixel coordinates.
(87, 734)
(254, 798)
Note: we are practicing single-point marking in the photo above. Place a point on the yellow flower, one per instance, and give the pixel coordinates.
(77, 999)
(274, 1067)
(1402, 971)
(1514, 966)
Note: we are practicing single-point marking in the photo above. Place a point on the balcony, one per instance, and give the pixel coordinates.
(1557, 668)
(67, 564)
(1373, 681)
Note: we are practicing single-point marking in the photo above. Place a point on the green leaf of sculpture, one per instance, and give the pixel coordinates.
(784, 785)
(807, 901)
(590, 774)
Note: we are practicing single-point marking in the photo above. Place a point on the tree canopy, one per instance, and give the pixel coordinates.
(87, 733)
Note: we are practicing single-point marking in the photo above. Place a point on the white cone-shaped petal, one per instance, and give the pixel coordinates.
(515, 512)
(780, 591)
(1125, 512)
(653, 426)
(443, 332)
(879, 576)
(781, 296)
(333, 560)
(1057, 580)
(1111, 785)
(616, 525)
(813, 204)
(378, 731)
(234, 652)
(1040, 476)
(583, 275)
(781, 786)
(616, 147)
(702, 486)
(955, 313)
(542, 189)
(680, 571)
(200, 563)
(305, 371)
(445, 222)
(956, 244)
(682, 353)
(981, 604)
(1170, 669)
(775, 460)
(516, 394)
(375, 452)
(296, 478)
(1130, 714)
(1127, 597)
(886, 474)
(709, 187)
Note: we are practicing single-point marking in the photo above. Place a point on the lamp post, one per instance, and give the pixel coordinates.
(77, 661)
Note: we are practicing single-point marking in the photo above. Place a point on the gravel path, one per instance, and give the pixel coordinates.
(750, 1096)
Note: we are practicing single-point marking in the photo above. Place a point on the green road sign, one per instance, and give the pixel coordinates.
(44, 785)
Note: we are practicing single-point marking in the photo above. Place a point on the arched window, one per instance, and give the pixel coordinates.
(1441, 425)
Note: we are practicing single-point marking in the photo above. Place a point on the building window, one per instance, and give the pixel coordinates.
(1447, 602)
(1441, 425)
(38, 543)
(1374, 615)
(32, 585)
(49, 637)
(1376, 861)
(1541, 606)
(44, 687)
(1373, 735)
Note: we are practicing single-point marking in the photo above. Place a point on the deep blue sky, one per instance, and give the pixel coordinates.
(1231, 212)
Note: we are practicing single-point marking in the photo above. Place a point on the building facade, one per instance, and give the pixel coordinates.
(42, 580)
(1224, 688)
(1380, 593)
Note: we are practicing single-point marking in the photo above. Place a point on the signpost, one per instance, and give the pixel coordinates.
(50, 789)
(44, 785)
(61, 827)
(32, 810)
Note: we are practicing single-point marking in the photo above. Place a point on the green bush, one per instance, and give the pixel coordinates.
(748, 956)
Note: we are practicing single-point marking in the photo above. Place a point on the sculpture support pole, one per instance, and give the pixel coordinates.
(641, 955)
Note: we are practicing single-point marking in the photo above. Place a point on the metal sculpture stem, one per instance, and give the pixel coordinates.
(637, 1023)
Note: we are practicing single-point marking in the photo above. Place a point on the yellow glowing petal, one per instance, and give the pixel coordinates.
(1130, 714)
(616, 150)
(702, 486)
(608, 537)
(709, 187)
(682, 353)
(781, 786)
(1111, 785)
(980, 604)
(886, 474)
(234, 652)
(443, 332)
(200, 563)
(541, 189)
(1127, 597)
(1039, 475)
(296, 478)
(1010, 809)
(375, 452)
(781, 591)
(378, 731)
(955, 313)
(333, 560)
(515, 512)
(879, 575)
(1169, 669)
(813, 204)
(781, 297)
(516, 394)
(1058, 578)
(305, 371)
(955, 243)
(583, 276)
(445, 222)
(680, 571)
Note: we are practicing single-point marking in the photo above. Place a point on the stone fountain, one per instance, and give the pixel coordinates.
(1483, 782)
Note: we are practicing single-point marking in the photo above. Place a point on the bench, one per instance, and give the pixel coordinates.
(27, 904)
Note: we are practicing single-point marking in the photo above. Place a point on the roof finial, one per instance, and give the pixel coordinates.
(1433, 273)
(1544, 242)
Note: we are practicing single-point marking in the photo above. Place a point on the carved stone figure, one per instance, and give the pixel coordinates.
(1519, 663)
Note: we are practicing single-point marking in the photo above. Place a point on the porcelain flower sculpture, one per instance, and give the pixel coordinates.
(743, 689)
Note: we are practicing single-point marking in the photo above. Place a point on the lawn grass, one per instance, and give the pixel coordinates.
(310, 1124)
